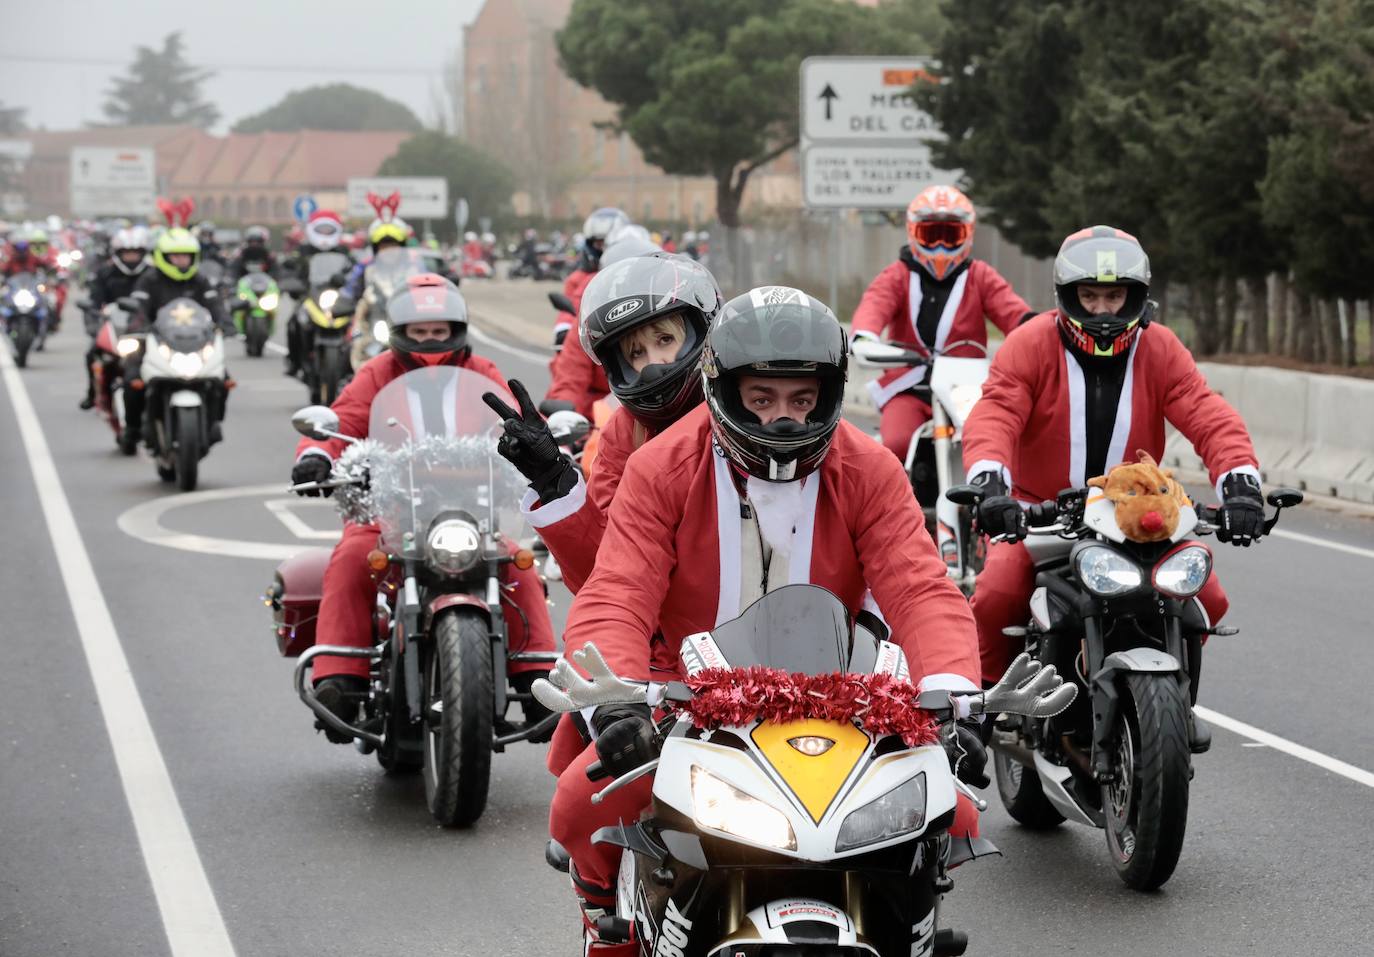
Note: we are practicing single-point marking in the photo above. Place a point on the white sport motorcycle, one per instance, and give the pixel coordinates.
(773, 834)
(954, 387)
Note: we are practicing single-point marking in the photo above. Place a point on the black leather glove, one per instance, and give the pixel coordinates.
(312, 468)
(998, 513)
(625, 737)
(1240, 520)
(968, 757)
(528, 444)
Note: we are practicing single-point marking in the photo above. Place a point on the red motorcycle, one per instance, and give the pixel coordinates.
(112, 346)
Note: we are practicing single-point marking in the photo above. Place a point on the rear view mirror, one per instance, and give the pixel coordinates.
(344, 306)
(316, 422)
(1284, 497)
(129, 304)
(569, 427)
(561, 302)
(292, 287)
(966, 495)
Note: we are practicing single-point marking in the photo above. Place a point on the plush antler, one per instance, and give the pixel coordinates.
(566, 690)
(184, 208)
(167, 209)
(1027, 689)
(392, 203)
(375, 202)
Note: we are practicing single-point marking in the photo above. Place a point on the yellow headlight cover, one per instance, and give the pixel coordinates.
(815, 779)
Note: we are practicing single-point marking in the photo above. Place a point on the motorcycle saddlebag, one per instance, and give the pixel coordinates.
(294, 598)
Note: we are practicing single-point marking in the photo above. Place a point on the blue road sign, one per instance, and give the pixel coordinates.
(303, 206)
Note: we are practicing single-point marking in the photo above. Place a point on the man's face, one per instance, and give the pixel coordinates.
(773, 399)
(1102, 300)
(130, 257)
(180, 260)
(428, 331)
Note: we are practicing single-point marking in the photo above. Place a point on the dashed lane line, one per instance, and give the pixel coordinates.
(1291, 748)
(190, 914)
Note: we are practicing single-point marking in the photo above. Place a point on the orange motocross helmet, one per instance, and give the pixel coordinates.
(939, 229)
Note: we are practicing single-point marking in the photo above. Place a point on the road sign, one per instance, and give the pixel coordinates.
(422, 197)
(863, 99)
(461, 213)
(303, 206)
(113, 181)
(873, 176)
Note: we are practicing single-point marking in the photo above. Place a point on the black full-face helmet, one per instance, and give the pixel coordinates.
(776, 332)
(642, 293)
(427, 297)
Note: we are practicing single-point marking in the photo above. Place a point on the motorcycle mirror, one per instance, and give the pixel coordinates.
(344, 306)
(568, 427)
(1284, 498)
(966, 495)
(129, 304)
(561, 302)
(292, 287)
(337, 281)
(316, 422)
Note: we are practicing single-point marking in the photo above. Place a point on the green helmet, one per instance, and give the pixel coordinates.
(173, 241)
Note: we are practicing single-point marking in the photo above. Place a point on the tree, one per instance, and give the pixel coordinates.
(160, 88)
(709, 87)
(484, 181)
(335, 106)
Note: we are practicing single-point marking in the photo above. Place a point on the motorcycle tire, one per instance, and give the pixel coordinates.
(458, 735)
(255, 336)
(1022, 796)
(1146, 808)
(23, 342)
(188, 451)
(330, 376)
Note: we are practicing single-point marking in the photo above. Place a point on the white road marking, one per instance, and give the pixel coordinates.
(1302, 753)
(144, 522)
(282, 511)
(275, 347)
(1323, 543)
(492, 342)
(190, 914)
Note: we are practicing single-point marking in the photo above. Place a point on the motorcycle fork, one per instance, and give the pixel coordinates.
(1106, 701)
(409, 615)
(948, 537)
(500, 642)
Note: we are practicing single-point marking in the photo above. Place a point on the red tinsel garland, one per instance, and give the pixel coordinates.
(881, 704)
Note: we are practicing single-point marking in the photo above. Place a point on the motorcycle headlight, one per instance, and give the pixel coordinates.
(64, 260)
(899, 811)
(25, 300)
(328, 298)
(1106, 572)
(453, 546)
(77, 255)
(1183, 573)
(187, 364)
(381, 331)
(165, 351)
(268, 302)
(127, 346)
(718, 806)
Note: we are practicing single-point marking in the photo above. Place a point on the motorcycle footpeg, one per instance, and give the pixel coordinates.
(949, 943)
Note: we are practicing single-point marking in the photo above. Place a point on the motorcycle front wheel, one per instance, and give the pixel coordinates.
(23, 341)
(187, 456)
(331, 373)
(1019, 788)
(1146, 807)
(255, 336)
(458, 713)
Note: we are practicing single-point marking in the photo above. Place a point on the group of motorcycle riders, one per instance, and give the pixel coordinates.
(727, 471)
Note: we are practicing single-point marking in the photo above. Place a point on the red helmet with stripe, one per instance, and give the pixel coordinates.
(427, 297)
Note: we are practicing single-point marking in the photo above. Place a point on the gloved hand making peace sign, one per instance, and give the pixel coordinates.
(528, 444)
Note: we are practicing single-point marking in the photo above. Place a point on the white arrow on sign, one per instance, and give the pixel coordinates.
(863, 99)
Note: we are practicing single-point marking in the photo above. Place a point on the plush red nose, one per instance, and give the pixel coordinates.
(1152, 522)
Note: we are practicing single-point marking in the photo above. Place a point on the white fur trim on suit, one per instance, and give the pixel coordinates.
(551, 513)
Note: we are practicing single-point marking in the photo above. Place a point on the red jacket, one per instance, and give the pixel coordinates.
(573, 287)
(892, 302)
(576, 378)
(573, 525)
(354, 404)
(15, 263)
(662, 564)
(1032, 418)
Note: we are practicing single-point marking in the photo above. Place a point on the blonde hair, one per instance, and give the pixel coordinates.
(672, 324)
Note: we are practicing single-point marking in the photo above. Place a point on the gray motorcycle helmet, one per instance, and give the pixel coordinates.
(1102, 256)
(779, 332)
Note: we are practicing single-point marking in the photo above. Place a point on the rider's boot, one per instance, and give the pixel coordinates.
(341, 694)
(533, 710)
(1199, 736)
(602, 934)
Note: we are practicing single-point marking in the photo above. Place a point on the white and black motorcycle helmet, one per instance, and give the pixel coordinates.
(128, 239)
(597, 230)
(780, 332)
(634, 293)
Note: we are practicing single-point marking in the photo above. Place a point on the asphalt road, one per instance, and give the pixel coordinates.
(309, 849)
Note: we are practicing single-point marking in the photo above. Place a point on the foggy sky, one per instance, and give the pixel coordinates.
(318, 42)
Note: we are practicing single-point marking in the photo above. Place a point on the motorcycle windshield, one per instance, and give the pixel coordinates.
(438, 456)
(259, 283)
(184, 325)
(798, 628)
(389, 271)
(24, 291)
(325, 266)
(212, 270)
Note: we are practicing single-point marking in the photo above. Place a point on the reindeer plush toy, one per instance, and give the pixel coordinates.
(1147, 498)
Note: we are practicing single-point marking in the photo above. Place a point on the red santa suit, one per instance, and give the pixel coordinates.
(350, 591)
(576, 378)
(573, 287)
(890, 308)
(1031, 427)
(676, 556)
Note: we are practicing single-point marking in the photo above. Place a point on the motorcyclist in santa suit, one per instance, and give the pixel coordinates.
(1077, 390)
(175, 274)
(761, 486)
(112, 281)
(323, 234)
(422, 334)
(595, 231)
(645, 320)
(935, 295)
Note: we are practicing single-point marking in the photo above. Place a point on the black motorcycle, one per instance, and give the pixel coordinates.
(324, 324)
(1122, 620)
(25, 314)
